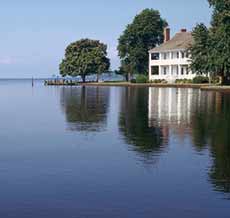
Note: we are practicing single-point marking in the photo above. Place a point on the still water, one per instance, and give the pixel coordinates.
(110, 152)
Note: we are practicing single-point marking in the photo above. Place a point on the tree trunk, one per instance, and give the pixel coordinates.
(83, 78)
(97, 77)
(128, 77)
(221, 79)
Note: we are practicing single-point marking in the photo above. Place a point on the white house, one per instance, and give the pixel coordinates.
(170, 60)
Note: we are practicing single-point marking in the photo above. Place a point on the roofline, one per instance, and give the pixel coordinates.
(178, 49)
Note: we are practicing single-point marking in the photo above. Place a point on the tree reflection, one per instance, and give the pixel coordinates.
(211, 127)
(85, 107)
(146, 140)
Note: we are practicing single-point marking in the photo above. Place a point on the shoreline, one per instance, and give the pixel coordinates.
(160, 85)
(203, 87)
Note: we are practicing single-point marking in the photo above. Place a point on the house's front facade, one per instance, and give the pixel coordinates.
(170, 61)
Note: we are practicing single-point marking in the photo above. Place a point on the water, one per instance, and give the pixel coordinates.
(113, 152)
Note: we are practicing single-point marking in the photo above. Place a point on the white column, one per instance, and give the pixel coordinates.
(179, 70)
(150, 68)
(170, 71)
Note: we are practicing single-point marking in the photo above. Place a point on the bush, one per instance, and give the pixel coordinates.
(183, 81)
(159, 81)
(215, 79)
(141, 79)
(200, 79)
(133, 81)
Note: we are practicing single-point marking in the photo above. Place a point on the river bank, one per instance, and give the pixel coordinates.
(205, 87)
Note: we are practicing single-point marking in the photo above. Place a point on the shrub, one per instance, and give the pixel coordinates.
(159, 81)
(215, 79)
(133, 81)
(200, 79)
(142, 79)
(183, 81)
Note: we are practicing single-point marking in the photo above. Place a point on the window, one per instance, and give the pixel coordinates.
(177, 70)
(182, 71)
(182, 54)
(177, 55)
(164, 70)
(155, 70)
(164, 56)
(155, 56)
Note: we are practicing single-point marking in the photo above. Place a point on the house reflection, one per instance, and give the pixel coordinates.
(201, 117)
(147, 141)
(172, 109)
(85, 107)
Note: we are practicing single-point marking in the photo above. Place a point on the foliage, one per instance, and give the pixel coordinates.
(144, 33)
(159, 81)
(215, 79)
(200, 50)
(133, 80)
(216, 42)
(183, 81)
(85, 57)
(142, 79)
(200, 79)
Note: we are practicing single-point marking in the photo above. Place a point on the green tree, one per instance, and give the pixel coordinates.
(200, 49)
(144, 33)
(216, 43)
(220, 37)
(85, 57)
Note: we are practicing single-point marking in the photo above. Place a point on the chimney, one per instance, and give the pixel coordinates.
(183, 30)
(166, 34)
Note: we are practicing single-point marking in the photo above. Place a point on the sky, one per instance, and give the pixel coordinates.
(34, 34)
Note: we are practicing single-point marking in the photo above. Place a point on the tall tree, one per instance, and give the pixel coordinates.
(220, 37)
(213, 55)
(200, 49)
(144, 33)
(85, 57)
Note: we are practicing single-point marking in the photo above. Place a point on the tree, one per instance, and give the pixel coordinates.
(200, 50)
(216, 47)
(85, 57)
(144, 33)
(220, 37)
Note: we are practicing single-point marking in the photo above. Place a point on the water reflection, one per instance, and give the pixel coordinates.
(85, 108)
(172, 109)
(201, 117)
(211, 127)
(150, 118)
(147, 141)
